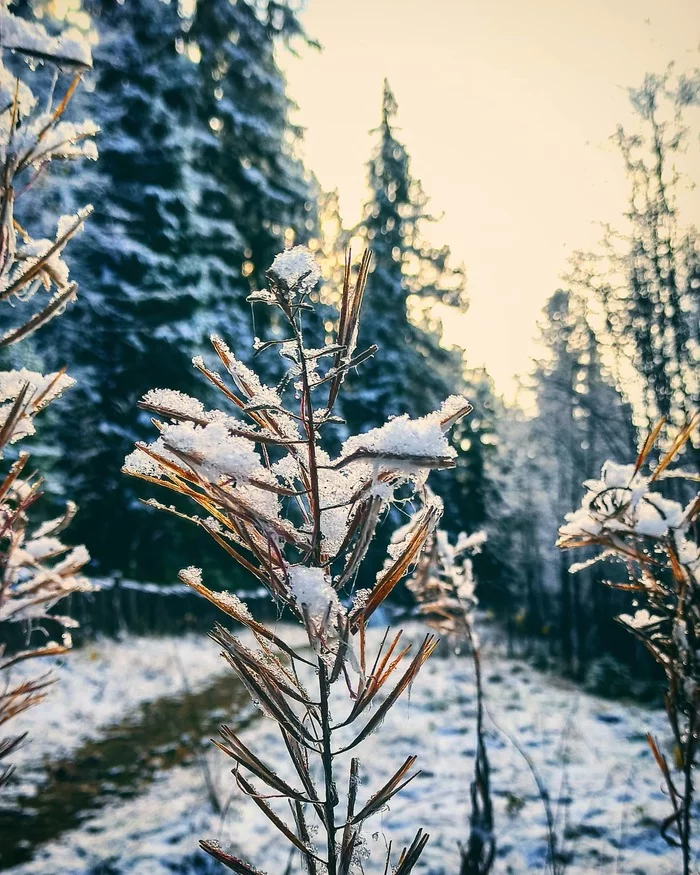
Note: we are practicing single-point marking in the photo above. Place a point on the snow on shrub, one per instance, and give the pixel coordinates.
(625, 516)
(301, 520)
(36, 569)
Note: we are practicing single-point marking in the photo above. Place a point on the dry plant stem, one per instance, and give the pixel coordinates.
(301, 523)
(481, 847)
(36, 569)
(625, 517)
(331, 797)
(444, 587)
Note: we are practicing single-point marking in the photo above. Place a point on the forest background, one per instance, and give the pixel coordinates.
(202, 180)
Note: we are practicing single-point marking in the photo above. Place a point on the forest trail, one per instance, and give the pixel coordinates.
(591, 754)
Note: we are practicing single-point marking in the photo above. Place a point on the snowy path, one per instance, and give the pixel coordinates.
(590, 752)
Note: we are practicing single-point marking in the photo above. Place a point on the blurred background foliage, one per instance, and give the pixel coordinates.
(200, 183)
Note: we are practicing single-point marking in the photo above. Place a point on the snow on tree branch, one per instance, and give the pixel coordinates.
(30, 38)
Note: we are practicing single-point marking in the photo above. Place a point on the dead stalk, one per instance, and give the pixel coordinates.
(301, 522)
(36, 569)
(625, 517)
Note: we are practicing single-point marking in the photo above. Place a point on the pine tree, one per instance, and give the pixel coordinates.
(581, 421)
(412, 369)
(647, 275)
(199, 184)
(476, 492)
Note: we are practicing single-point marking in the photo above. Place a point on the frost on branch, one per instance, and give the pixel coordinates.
(23, 394)
(625, 516)
(403, 442)
(30, 138)
(296, 268)
(300, 520)
(36, 569)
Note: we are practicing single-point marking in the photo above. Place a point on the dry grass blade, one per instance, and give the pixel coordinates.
(25, 695)
(269, 686)
(393, 786)
(428, 462)
(648, 444)
(678, 442)
(398, 569)
(363, 525)
(350, 307)
(378, 678)
(14, 415)
(232, 746)
(14, 472)
(32, 272)
(52, 649)
(410, 856)
(277, 821)
(424, 651)
(38, 320)
(235, 864)
(299, 759)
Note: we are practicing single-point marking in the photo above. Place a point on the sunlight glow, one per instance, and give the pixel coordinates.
(506, 109)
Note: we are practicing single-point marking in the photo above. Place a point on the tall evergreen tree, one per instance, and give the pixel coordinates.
(476, 493)
(411, 371)
(647, 277)
(199, 185)
(582, 420)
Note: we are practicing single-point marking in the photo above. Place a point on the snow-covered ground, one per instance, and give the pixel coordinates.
(97, 685)
(591, 754)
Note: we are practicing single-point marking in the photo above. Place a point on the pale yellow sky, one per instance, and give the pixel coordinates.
(506, 108)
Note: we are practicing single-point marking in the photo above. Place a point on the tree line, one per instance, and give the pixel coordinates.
(200, 184)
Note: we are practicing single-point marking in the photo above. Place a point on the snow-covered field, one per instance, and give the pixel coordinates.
(98, 684)
(591, 754)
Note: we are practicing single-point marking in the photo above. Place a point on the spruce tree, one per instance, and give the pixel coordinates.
(199, 184)
(412, 369)
(582, 420)
(647, 276)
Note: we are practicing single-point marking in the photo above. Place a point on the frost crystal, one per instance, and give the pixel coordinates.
(312, 589)
(641, 619)
(45, 388)
(231, 601)
(177, 402)
(140, 464)
(295, 265)
(192, 575)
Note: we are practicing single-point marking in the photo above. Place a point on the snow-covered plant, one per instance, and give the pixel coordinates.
(625, 516)
(36, 568)
(301, 521)
(443, 585)
(31, 136)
